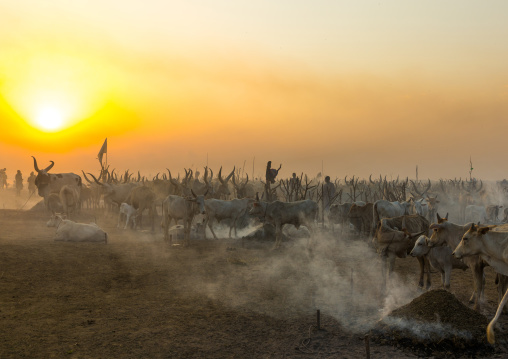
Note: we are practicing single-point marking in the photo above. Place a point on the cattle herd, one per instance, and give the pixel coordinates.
(445, 224)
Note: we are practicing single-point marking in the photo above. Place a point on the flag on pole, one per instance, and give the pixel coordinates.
(104, 149)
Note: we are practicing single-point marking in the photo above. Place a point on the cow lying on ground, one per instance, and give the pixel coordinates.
(493, 248)
(440, 258)
(129, 212)
(69, 231)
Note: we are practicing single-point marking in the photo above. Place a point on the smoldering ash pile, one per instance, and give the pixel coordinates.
(435, 324)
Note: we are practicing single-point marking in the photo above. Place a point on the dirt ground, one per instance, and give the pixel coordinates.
(138, 297)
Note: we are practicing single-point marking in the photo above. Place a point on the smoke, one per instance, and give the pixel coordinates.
(427, 331)
(340, 276)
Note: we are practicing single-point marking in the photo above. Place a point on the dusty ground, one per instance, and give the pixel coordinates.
(136, 297)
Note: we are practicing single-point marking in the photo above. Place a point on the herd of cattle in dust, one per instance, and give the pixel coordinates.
(445, 224)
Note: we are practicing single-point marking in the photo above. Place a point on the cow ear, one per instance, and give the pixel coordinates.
(483, 230)
(438, 216)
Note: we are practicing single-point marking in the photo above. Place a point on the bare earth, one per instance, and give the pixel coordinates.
(137, 297)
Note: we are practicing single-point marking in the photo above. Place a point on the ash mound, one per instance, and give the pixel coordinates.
(435, 324)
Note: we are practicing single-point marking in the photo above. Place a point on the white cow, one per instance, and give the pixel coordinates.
(130, 214)
(69, 231)
(217, 209)
(492, 247)
(440, 258)
(385, 209)
(177, 207)
(280, 213)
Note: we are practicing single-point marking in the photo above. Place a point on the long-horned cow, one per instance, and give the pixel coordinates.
(47, 183)
(281, 213)
(217, 209)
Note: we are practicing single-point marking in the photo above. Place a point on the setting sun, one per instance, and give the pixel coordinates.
(49, 119)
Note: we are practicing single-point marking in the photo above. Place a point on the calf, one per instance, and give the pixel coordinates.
(129, 212)
(440, 258)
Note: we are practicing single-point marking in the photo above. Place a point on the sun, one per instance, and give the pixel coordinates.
(50, 119)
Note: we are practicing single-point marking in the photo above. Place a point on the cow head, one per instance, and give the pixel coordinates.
(223, 190)
(199, 201)
(421, 248)
(43, 179)
(471, 243)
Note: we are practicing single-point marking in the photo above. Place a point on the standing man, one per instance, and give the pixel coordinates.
(3, 179)
(271, 173)
(31, 183)
(328, 194)
(19, 182)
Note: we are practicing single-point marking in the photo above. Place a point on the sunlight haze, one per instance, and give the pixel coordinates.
(354, 87)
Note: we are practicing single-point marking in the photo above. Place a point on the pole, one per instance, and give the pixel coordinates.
(253, 160)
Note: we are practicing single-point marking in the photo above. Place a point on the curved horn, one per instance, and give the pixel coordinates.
(231, 174)
(169, 172)
(53, 163)
(247, 179)
(95, 179)
(220, 175)
(35, 165)
(84, 174)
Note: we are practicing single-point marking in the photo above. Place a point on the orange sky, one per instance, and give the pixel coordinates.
(362, 88)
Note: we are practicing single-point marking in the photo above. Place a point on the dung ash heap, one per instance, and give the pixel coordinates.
(435, 323)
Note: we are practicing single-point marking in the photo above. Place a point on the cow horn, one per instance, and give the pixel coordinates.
(49, 167)
(247, 178)
(231, 174)
(220, 175)
(84, 174)
(35, 165)
(95, 179)
(257, 196)
(192, 191)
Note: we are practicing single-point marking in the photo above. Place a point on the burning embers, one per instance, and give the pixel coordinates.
(434, 323)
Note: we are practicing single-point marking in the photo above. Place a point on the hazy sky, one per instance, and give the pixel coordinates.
(358, 86)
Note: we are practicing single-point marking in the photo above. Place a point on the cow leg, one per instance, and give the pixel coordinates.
(127, 219)
(278, 235)
(210, 222)
(447, 277)
(427, 265)
(166, 220)
(479, 281)
(421, 262)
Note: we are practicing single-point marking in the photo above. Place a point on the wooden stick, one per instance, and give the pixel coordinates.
(367, 347)
(318, 317)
